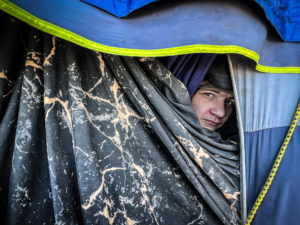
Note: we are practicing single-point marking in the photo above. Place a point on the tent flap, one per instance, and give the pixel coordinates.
(92, 138)
(268, 103)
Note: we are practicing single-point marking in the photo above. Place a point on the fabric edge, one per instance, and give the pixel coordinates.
(242, 145)
(269, 128)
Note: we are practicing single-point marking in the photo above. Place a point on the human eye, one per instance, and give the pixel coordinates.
(229, 102)
(208, 94)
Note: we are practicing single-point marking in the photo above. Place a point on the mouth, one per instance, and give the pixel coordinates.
(212, 123)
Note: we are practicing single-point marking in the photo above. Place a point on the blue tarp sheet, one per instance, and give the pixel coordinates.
(268, 103)
(160, 30)
(284, 15)
(281, 204)
(119, 8)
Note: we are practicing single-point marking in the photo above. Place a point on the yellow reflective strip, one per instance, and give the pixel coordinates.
(270, 69)
(275, 167)
(62, 33)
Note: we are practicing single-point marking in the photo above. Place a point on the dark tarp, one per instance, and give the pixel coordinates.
(90, 138)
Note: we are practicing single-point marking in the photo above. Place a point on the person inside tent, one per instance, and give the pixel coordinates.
(208, 81)
(213, 101)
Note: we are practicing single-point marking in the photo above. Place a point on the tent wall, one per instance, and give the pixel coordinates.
(268, 103)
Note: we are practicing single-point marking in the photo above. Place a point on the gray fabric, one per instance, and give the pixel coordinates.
(267, 100)
(91, 138)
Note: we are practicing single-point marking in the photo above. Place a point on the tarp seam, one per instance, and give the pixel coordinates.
(269, 128)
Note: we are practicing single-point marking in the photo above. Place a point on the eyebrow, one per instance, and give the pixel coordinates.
(210, 90)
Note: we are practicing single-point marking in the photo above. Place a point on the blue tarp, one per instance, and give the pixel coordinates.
(284, 15)
(281, 204)
(119, 8)
(161, 30)
(268, 103)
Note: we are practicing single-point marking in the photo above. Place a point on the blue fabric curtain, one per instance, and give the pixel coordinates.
(190, 69)
(268, 103)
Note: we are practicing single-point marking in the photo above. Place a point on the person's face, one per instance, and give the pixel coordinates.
(213, 108)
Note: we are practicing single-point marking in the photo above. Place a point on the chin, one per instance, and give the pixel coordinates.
(210, 127)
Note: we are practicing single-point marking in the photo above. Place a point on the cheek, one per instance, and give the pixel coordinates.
(228, 113)
(201, 110)
(205, 112)
(201, 106)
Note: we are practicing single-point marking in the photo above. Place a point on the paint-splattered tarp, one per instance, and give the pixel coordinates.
(90, 138)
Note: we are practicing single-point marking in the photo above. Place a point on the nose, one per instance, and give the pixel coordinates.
(218, 109)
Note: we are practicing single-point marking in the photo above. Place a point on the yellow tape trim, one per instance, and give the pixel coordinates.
(275, 166)
(62, 33)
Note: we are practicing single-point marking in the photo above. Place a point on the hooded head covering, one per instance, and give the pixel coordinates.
(218, 76)
(190, 69)
(203, 71)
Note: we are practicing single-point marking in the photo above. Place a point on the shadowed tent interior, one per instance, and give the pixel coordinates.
(95, 130)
